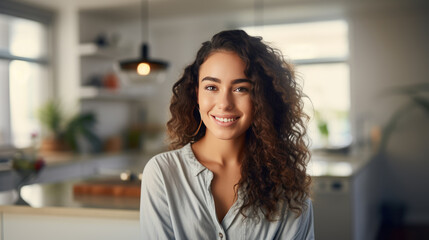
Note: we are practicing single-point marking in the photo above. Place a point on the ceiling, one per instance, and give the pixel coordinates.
(166, 8)
(131, 9)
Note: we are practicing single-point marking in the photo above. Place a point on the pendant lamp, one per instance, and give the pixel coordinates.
(144, 65)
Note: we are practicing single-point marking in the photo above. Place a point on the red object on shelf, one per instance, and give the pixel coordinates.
(111, 81)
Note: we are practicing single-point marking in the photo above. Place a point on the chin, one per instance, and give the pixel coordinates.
(227, 137)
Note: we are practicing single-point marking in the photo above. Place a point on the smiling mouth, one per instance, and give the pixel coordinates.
(225, 120)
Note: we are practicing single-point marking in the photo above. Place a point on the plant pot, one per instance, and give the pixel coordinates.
(53, 145)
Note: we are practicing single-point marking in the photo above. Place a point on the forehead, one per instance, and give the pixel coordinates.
(223, 65)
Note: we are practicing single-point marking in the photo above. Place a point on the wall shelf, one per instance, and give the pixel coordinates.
(108, 52)
(120, 94)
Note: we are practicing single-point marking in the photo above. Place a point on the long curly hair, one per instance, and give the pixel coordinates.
(274, 167)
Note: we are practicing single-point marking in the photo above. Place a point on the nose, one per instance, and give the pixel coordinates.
(225, 100)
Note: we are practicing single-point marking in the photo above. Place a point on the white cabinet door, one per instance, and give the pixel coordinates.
(45, 227)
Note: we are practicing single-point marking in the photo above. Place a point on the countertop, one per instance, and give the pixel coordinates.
(338, 165)
(53, 186)
(68, 166)
(53, 190)
(64, 194)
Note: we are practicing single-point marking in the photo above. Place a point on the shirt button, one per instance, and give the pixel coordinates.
(220, 235)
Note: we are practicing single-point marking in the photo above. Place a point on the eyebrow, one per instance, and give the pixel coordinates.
(236, 81)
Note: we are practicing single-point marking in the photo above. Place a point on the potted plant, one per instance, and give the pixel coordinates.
(64, 134)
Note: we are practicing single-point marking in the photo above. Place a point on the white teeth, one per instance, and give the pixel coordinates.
(225, 119)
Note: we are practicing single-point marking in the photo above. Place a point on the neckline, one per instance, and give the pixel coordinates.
(197, 167)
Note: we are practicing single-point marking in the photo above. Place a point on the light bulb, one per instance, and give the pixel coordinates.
(143, 69)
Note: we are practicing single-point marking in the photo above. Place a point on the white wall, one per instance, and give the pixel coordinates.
(66, 52)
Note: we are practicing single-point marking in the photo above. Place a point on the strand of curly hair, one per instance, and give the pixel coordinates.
(274, 168)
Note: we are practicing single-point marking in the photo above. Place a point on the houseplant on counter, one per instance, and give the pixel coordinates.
(28, 166)
(64, 135)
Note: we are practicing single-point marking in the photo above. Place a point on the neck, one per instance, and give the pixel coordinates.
(223, 152)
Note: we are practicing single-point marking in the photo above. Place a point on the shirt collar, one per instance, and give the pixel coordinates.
(196, 166)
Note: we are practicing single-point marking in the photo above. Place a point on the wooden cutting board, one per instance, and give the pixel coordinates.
(108, 187)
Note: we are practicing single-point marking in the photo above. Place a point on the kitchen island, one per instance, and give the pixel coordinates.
(59, 209)
(24, 222)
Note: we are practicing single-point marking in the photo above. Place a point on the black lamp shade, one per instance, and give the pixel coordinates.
(131, 65)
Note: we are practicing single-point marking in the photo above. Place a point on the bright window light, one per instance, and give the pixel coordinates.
(306, 40)
(27, 38)
(320, 52)
(4, 103)
(24, 83)
(26, 96)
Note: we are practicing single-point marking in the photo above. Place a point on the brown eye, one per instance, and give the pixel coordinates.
(241, 89)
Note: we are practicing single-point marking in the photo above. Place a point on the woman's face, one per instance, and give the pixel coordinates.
(224, 96)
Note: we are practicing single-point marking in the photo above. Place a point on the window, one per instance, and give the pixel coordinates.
(319, 51)
(24, 78)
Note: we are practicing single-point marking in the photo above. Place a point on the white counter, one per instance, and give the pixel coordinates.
(18, 222)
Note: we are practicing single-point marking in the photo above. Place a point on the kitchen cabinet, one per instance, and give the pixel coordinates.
(346, 196)
(67, 223)
(57, 213)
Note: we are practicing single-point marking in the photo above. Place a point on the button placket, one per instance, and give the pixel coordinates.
(211, 203)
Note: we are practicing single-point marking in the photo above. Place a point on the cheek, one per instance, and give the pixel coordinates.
(201, 98)
(247, 106)
(249, 112)
(204, 102)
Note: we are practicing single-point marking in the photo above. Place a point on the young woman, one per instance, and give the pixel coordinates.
(238, 170)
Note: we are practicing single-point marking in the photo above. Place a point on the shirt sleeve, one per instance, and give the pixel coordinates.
(155, 221)
(306, 223)
(298, 228)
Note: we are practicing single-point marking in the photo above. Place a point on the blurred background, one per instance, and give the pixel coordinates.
(70, 89)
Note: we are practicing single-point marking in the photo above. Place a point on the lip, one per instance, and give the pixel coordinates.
(225, 124)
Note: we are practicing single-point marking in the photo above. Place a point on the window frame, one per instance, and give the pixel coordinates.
(42, 16)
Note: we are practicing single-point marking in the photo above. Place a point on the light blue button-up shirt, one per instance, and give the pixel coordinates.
(177, 203)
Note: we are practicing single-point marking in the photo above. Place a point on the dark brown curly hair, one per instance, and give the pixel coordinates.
(274, 168)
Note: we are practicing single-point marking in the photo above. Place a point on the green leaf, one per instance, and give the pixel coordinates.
(82, 124)
(50, 116)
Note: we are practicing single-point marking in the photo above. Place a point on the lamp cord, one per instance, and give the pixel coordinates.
(145, 21)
